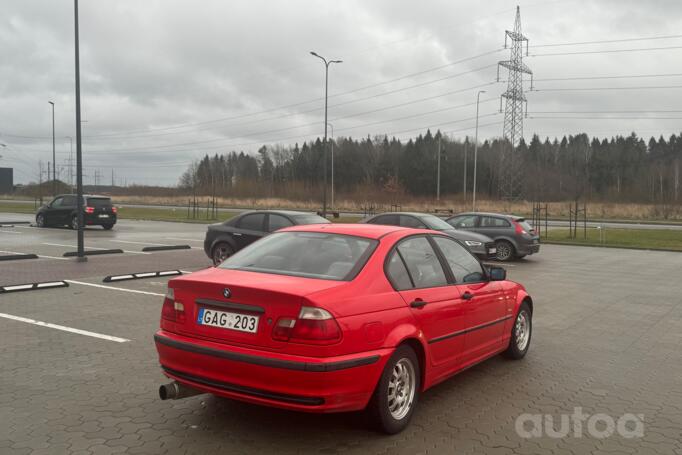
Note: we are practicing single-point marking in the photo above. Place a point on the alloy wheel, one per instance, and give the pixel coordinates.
(522, 331)
(401, 389)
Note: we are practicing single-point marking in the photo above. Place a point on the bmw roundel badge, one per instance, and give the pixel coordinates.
(227, 293)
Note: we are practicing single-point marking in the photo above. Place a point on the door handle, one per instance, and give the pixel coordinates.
(467, 296)
(417, 303)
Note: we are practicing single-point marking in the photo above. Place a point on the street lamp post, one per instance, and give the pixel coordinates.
(332, 149)
(70, 162)
(79, 158)
(478, 98)
(324, 143)
(54, 160)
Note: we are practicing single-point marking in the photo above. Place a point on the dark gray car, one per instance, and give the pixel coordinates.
(514, 237)
(478, 244)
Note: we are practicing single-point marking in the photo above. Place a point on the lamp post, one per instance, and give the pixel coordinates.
(324, 143)
(70, 162)
(478, 99)
(79, 158)
(332, 149)
(54, 160)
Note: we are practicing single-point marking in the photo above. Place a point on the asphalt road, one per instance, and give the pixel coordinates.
(82, 377)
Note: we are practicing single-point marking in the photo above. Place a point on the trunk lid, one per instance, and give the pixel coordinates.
(265, 296)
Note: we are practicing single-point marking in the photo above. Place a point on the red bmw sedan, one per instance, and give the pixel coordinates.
(331, 318)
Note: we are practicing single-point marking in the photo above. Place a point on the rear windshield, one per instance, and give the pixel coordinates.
(305, 254)
(99, 202)
(435, 223)
(310, 219)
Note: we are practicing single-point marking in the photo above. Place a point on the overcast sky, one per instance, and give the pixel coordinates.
(166, 81)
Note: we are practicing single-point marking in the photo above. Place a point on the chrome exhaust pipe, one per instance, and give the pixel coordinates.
(176, 391)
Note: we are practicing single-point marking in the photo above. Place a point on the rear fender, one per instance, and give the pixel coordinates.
(411, 335)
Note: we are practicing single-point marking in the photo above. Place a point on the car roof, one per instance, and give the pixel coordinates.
(372, 231)
(85, 195)
(503, 215)
(280, 212)
(402, 213)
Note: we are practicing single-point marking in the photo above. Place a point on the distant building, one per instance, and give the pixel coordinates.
(6, 180)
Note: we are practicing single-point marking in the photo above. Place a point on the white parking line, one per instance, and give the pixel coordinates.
(10, 232)
(63, 328)
(185, 239)
(141, 243)
(40, 255)
(113, 288)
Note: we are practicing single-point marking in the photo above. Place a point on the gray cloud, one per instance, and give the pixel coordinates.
(147, 66)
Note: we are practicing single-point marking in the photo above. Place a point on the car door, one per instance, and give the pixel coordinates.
(464, 222)
(67, 209)
(249, 228)
(53, 211)
(494, 226)
(485, 310)
(276, 222)
(417, 273)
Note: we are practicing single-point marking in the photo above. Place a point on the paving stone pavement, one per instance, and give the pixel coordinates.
(607, 339)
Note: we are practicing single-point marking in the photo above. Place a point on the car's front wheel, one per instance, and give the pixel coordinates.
(221, 252)
(40, 220)
(505, 250)
(397, 393)
(521, 333)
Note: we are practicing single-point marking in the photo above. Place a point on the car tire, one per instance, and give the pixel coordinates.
(107, 227)
(74, 223)
(401, 375)
(220, 252)
(505, 250)
(521, 333)
(40, 220)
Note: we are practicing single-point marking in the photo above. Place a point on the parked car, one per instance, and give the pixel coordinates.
(62, 211)
(339, 317)
(224, 239)
(514, 237)
(480, 245)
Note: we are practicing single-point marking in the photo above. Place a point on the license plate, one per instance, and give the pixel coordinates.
(492, 251)
(227, 320)
(103, 216)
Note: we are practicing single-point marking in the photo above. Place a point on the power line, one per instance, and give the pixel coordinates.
(567, 89)
(607, 51)
(623, 40)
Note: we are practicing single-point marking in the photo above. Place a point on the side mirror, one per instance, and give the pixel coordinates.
(497, 274)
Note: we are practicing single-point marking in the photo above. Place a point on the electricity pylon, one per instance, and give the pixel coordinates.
(510, 169)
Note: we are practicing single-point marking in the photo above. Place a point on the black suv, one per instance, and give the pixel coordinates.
(61, 211)
(224, 239)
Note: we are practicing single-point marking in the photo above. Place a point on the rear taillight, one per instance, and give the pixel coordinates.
(313, 326)
(172, 310)
(114, 209)
(89, 210)
(519, 228)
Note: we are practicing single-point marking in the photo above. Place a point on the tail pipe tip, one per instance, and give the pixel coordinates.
(174, 391)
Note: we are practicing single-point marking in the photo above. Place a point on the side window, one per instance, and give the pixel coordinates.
(411, 222)
(278, 222)
(252, 222)
(464, 221)
(390, 220)
(463, 265)
(494, 222)
(422, 263)
(397, 273)
(58, 202)
(69, 201)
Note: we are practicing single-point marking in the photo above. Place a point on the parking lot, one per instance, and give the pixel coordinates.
(82, 377)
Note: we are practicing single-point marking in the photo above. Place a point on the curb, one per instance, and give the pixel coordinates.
(166, 247)
(33, 286)
(140, 275)
(14, 257)
(69, 254)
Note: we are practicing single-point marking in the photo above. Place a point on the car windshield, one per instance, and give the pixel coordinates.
(305, 254)
(310, 219)
(433, 222)
(99, 202)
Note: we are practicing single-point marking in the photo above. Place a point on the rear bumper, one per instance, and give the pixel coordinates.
(343, 383)
(529, 248)
(95, 220)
